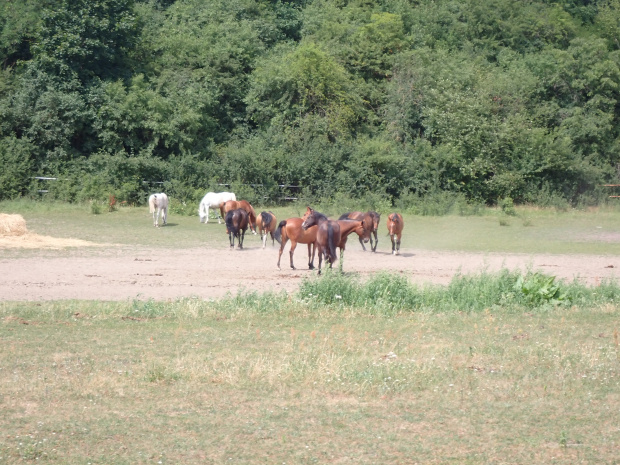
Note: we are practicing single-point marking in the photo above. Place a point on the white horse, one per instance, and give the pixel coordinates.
(158, 203)
(214, 200)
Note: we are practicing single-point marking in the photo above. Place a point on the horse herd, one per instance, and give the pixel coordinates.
(314, 228)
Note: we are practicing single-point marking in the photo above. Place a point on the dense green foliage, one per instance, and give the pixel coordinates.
(388, 100)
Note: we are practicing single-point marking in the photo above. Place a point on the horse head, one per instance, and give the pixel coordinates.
(312, 217)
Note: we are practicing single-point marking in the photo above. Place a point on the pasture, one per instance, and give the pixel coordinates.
(275, 377)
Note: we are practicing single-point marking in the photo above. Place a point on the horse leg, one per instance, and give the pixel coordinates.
(362, 243)
(320, 258)
(241, 238)
(263, 235)
(284, 241)
(165, 213)
(393, 244)
(311, 254)
(292, 251)
(221, 215)
(398, 243)
(374, 248)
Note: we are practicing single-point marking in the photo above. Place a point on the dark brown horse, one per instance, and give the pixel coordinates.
(291, 230)
(369, 223)
(236, 225)
(235, 204)
(266, 223)
(328, 235)
(395, 227)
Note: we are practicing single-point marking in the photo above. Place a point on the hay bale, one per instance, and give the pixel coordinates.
(12, 225)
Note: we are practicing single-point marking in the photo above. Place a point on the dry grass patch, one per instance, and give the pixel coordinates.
(14, 234)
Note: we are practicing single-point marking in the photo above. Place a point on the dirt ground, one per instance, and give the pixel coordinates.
(62, 269)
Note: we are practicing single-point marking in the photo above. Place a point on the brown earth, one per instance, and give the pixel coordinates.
(65, 269)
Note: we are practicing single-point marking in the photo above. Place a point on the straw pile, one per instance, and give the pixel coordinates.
(12, 225)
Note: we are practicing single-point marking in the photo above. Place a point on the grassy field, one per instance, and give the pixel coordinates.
(193, 382)
(530, 231)
(298, 379)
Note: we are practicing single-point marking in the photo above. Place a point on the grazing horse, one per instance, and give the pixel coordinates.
(370, 223)
(291, 229)
(236, 224)
(234, 205)
(328, 235)
(158, 203)
(214, 200)
(266, 223)
(395, 226)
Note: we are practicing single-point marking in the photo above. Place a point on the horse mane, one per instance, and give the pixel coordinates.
(345, 216)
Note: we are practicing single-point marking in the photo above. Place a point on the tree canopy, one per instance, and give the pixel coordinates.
(386, 99)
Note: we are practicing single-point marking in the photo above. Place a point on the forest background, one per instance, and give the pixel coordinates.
(387, 101)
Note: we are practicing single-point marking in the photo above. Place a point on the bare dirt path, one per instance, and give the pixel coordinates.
(122, 273)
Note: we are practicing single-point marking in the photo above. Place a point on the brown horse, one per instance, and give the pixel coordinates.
(291, 230)
(347, 227)
(234, 205)
(395, 227)
(328, 235)
(369, 223)
(236, 225)
(266, 223)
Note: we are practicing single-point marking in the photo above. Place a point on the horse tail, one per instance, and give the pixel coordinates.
(331, 243)
(266, 219)
(152, 200)
(344, 216)
(278, 232)
(230, 223)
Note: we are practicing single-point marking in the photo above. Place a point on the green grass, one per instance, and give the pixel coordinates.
(225, 382)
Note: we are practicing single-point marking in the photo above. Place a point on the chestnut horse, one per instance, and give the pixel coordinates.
(347, 227)
(236, 225)
(328, 235)
(371, 222)
(395, 226)
(290, 229)
(235, 204)
(266, 223)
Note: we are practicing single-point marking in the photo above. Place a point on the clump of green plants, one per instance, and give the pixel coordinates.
(539, 289)
(507, 205)
(95, 208)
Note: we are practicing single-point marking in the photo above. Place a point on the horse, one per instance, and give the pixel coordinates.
(214, 200)
(236, 225)
(395, 226)
(234, 205)
(290, 229)
(328, 235)
(348, 226)
(158, 204)
(266, 223)
(371, 223)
